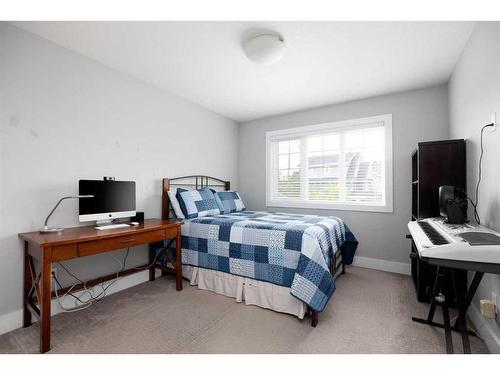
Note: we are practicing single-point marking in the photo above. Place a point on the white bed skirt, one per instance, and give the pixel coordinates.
(243, 289)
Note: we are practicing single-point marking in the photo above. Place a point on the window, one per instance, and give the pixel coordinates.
(343, 165)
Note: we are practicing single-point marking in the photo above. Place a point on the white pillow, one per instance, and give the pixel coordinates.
(175, 204)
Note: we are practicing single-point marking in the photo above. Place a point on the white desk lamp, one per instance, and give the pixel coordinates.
(46, 229)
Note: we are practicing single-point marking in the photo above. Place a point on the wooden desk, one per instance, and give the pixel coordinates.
(80, 242)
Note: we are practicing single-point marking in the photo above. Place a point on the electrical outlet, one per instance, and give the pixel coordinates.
(54, 271)
(493, 120)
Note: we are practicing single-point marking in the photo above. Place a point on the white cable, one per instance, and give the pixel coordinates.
(104, 289)
(90, 291)
(92, 299)
(67, 309)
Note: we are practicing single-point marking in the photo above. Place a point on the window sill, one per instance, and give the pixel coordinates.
(330, 206)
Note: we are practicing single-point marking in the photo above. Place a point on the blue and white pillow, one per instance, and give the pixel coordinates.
(174, 202)
(229, 201)
(196, 203)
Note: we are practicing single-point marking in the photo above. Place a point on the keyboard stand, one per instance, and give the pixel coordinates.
(463, 303)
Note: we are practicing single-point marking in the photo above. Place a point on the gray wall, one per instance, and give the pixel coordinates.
(420, 115)
(64, 117)
(474, 94)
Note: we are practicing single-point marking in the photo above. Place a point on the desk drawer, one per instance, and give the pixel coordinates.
(108, 244)
(64, 252)
(171, 233)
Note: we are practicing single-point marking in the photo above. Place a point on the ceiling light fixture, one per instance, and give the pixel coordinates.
(266, 48)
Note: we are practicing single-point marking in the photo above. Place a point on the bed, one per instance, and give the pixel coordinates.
(280, 261)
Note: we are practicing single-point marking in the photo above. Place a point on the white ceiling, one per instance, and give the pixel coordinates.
(325, 62)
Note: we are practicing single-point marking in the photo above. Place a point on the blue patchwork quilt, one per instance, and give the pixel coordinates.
(284, 249)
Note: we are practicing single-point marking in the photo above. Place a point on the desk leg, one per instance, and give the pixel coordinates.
(28, 284)
(178, 260)
(152, 269)
(46, 281)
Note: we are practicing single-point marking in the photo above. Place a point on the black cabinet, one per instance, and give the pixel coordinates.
(434, 164)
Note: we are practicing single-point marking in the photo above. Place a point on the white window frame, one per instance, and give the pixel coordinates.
(298, 203)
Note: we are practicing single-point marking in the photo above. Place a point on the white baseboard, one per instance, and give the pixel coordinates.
(11, 321)
(14, 319)
(489, 335)
(382, 265)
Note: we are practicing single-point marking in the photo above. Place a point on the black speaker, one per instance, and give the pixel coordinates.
(453, 204)
(139, 217)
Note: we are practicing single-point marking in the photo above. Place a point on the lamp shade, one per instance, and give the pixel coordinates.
(264, 48)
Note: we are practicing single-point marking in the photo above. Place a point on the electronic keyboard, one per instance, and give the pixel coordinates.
(441, 243)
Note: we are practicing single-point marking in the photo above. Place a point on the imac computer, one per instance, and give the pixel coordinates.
(112, 200)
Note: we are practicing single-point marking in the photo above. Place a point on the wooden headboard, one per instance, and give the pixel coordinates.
(195, 181)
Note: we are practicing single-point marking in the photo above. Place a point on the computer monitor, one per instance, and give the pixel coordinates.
(112, 200)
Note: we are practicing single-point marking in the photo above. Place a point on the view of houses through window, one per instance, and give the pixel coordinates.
(343, 165)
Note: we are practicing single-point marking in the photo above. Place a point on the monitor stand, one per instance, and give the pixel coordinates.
(108, 224)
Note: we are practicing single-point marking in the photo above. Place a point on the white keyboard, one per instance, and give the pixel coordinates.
(456, 248)
(112, 226)
(452, 229)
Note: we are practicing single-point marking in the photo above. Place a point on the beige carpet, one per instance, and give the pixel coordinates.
(369, 313)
